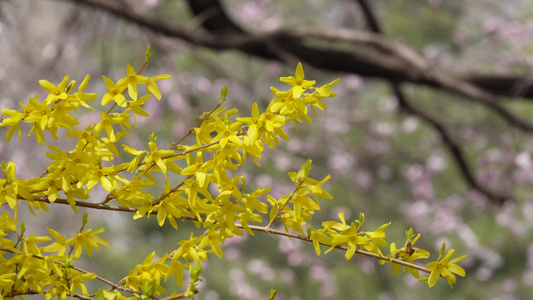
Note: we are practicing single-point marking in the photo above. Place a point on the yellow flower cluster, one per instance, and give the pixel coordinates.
(221, 144)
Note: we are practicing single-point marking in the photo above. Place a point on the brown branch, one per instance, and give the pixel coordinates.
(99, 206)
(363, 59)
(179, 296)
(453, 147)
(386, 59)
(345, 248)
(252, 227)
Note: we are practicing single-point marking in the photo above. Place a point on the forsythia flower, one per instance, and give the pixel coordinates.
(87, 238)
(114, 93)
(298, 82)
(445, 268)
(407, 253)
(131, 82)
(56, 93)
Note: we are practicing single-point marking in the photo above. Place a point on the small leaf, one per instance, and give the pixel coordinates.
(226, 120)
(309, 230)
(409, 233)
(84, 219)
(22, 228)
(307, 167)
(148, 53)
(303, 173)
(243, 182)
(273, 294)
(442, 251)
(223, 94)
(148, 288)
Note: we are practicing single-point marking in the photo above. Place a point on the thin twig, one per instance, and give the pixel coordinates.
(253, 227)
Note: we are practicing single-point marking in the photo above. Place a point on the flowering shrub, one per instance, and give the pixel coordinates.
(219, 143)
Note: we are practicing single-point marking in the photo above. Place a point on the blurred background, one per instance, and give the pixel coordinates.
(400, 145)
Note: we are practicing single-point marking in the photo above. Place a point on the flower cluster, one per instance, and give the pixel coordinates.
(219, 144)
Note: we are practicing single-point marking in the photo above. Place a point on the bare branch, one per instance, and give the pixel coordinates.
(359, 60)
(266, 229)
(453, 147)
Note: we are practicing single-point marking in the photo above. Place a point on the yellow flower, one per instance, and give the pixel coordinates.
(56, 93)
(253, 124)
(445, 268)
(114, 93)
(318, 237)
(336, 225)
(39, 115)
(351, 238)
(60, 245)
(87, 238)
(80, 97)
(152, 87)
(7, 194)
(228, 133)
(189, 250)
(375, 239)
(407, 253)
(212, 238)
(30, 246)
(324, 91)
(107, 121)
(12, 119)
(157, 156)
(84, 136)
(298, 82)
(198, 168)
(131, 82)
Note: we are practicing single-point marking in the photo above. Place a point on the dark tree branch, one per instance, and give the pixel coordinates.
(363, 59)
(218, 22)
(371, 54)
(371, 19)
(453, 146)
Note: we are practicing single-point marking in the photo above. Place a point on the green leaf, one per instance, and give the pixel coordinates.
(68, 265)
(273, 294)
(442, 251)
(22, 228)
(148, 53)
(307, 167)
(196, 269)
(84, 219)
(409, 233)
(148, 288)
(226, 120)
(153, 138)
(223, 94)
(243, 182)
(309, 230)
(303, 173)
